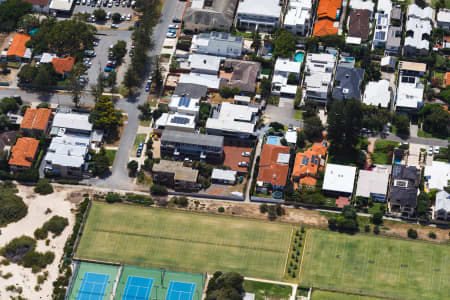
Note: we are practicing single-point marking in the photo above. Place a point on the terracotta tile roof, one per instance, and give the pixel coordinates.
(447, 38)
(447, 79)
(36, 118)
(342, 201)
(325, 27)
(359, 23)
(18, 47)
(269, 170)
(63, 65)
(328, 9)
(24, 152)
(307, 164)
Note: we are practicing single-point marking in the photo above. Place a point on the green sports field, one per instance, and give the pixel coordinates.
(182, 241)
(325, 295)
(375, 265)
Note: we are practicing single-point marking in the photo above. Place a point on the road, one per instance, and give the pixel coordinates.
(415, 140)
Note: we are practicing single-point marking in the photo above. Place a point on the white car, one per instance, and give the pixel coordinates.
(122, 18)
(430, 150)
(242, 164)
(437, 149)
(174, 26)
(171, 35)
(108, 15)
(114, 26)
(83, 2)
(124, 3)
(88, 3)
(128, 18)
(110, 4)
(245, 154)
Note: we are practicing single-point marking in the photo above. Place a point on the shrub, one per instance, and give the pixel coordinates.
(221, 209)
(55, 225)
(181, 201)
(113, 197)
(12, 207)
(412, 233)
(16, 249)
(376, 230)
(29, 175)
(367, 228)
(43, 187)
(377, 218)
(263, 208)
(432, 235)
(158, 190)
(140, 199)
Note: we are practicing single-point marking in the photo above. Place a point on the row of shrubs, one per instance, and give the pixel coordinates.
(140, 199)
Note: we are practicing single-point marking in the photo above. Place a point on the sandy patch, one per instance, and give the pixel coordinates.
(37, 214)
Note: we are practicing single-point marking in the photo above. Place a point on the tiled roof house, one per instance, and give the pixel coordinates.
(273, 166)
(327, 15)
(63, 65)
(17, 49)
(308, 164)
(36, 120)
(23, 153)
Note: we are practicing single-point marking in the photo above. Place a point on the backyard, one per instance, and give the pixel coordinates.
(383, 151)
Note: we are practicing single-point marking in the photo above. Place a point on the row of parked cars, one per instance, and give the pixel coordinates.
(106, 3)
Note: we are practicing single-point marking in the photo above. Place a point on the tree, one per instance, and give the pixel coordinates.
(116, 17)
(132, 168)
(27, 74)
(8, 104)
(157, 77)
(10, 13)
(423, 203)
(377, 218)
(111, 80)
(46, 77)
(130, 79)
(346, 221)
(100, 14)
(292, 79)
(336, 123)
(412, 233)
(70, 37)
(436, 120)
(75, 84)
(353, 122)
(256, 43)
(301, 139)
(158, 190)
(266, 88)
(4, 122)
(225, 286)
(119, 50)
(313, 128)
(104, 116)
(43, 187)
(98, 88)
(146, 112)
(229, 92)
(100, 163)
(284, 43)
(401, 122)
(29, 22)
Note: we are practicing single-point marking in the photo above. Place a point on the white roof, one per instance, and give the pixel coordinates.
(298, 13)
(270, 8)
(320, 62)
(388, 61)
(443, 16)
(373, 182)
(377, 93)
(68, 150)
(61, 5)
(353, 40)
(361, 4)
(291, 136)
(242, 98)
(285, 65)
(318, 82)
(204, 62)
(289, 89)
(437, 175)
(384, 6)
(234, 118)
(184, 104)
(409, 95)
(176, 120)
(197, 3)
(339, 178)
(417, 12)
(47, 57)
(210, 81)
(220, 174)
(442, 201)
(199, 41)
(419, 28)
(72, 121)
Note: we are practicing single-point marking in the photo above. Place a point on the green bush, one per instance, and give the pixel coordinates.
(55, 225)
(181, 201)
(432, 235)
(158, 190)
(113, 197)
(376, 230)
(412, 233)
(43, 187)
(140, 199)
(12, 207)
(16, 249)
(221, 209)
(29, 175)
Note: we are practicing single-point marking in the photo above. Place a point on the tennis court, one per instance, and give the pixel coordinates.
(93, 286)
(180, 291)
(137, 288)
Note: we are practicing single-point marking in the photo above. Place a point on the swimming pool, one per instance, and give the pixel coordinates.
(349, 59)
(272, 140)
(298, 57)
(397, 161)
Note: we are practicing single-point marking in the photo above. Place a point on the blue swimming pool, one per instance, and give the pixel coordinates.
(273, 140)
(397, 161)
(349, 59)
(298, 57)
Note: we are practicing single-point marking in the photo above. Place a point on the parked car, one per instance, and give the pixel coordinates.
(114, 26)
(173, 26)
(138, 152)
(246, 154)
(133, 4)
(108, 15)
(131, 53)
(108, 69)
(124, 3)
(243, 164)
(176, 20)
(430, 150)
(78, 2)
(110, 4)
(172, 31)
(141, 145)
(83, 2)
(6, 71)
(88, 3)
(89, 53)
(437, 149)
(147, 87)
(128, 18)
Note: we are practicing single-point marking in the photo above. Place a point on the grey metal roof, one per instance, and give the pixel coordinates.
(349, 83)
(394, 36)
(191, 90)
(192, 138)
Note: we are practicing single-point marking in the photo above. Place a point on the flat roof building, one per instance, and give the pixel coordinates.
(377, 93)
(262, 15)
(374, 183)
(339, 179)
(185, 105)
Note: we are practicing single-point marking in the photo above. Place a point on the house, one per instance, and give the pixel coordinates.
(394, 39)
(66, 156)
(185, 105)
(285, 68)
(443, 18)
(363, 5)
(18, 50)
(176, 121)
(298, 17)
(410, 89)
(244, 74)
(175, 175)
(348, 83)
(180, 145)
(388, 63)
(396, 14)
(191, 90)
(233, 120)
(205, 15)
(328, 14)
(403, 190)
(261, 15)
(45, 58)
(437, 176)
(223, 176)
(318, 78)
(384, 6)
(211, 82)
(418, 31)
(23, 154)
(374, 183)
(381, 30)
(339, 179)
(273, 168)
(41, 6)
(36, 121)
(218, 44)
(64, 65)
(61, 6)
(359, 23)
(66, 121)
(377, 93)
(204, 64)
(308, 164)
(409, 68)
(442, 206)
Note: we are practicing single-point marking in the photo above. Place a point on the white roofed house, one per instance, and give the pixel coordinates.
(443, 18)
(262, 15)
(223, 176)
(437, 176)
(185, 105)
(176, 121)
(339, 179)
(442, 207)
(410, 89)
(318, 76)
(298, 17)
(283, 69)
(377, 93)
(218, 43)
(374, 184)
(418, 31)
(380, 35)
(204, 64)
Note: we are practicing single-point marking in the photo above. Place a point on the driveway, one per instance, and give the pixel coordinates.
(283, 113)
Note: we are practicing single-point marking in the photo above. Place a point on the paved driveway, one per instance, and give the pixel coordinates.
(283, 113)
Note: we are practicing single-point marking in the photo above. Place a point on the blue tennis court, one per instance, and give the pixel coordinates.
(180, 291)
(137, 288)
(93, 286)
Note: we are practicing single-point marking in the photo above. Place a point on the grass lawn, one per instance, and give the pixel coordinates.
(325, 295)
(433, 3)
(424, 134)
(184, 241)
(376, 265)
(298, 114)
(111, 155)
(263, 290)
(140, 138)
(375, 207)
(380, 152)
(152, 101)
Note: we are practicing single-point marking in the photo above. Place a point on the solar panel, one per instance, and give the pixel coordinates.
(305, 161)
(180, 120)
(380, 35)
(184, 101)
